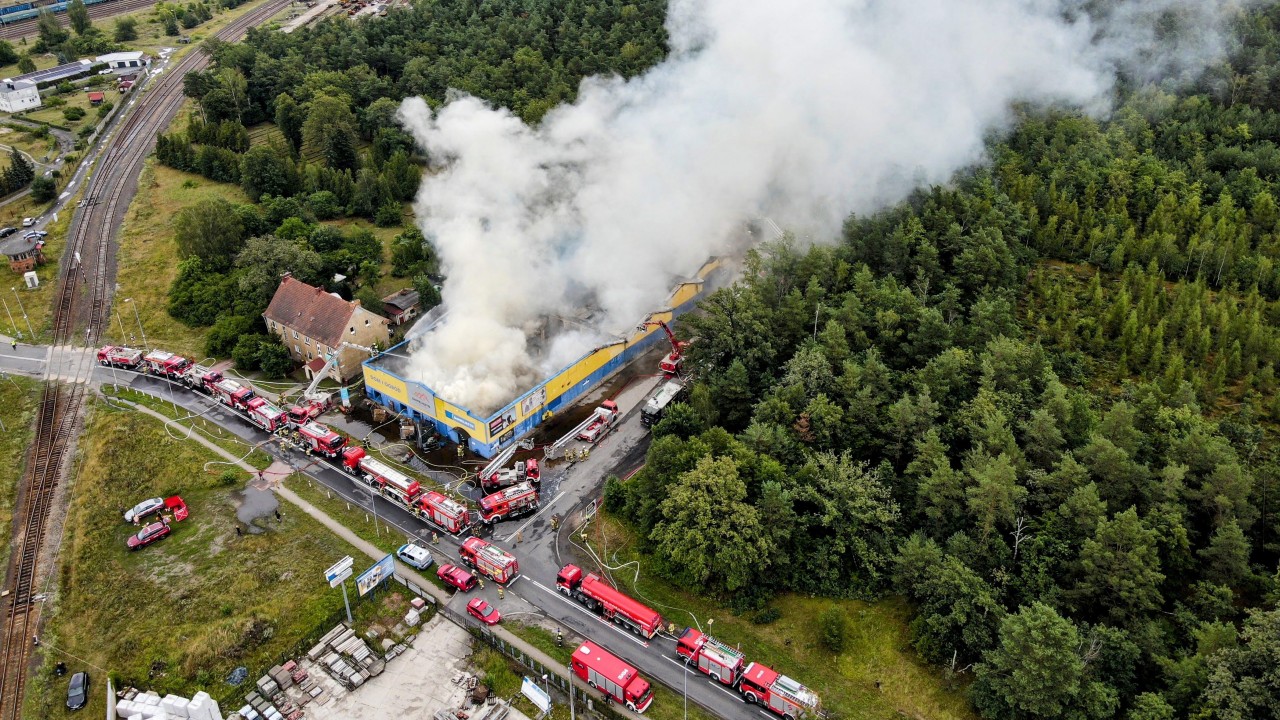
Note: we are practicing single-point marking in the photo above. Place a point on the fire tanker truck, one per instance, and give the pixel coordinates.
(319, 439)
(445, 513)
(489, 560)
(231, 393)
(710, 656)
(266, 416)
(121, 357)
(786, 697)
(601, 598)
(390, 482)
(512, 502)
(166, 364)
(609, 674)
(525, 470)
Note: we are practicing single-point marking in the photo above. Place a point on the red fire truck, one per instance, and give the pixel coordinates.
(447, 514)
(524, 471)
(390, 482)
(266, 416)
(306, 411)
(320, 439)
(609, 674)
(601, 598)
(199, 377)
(603, 419)
(763, 686)
(161, 362)
(489, 560)
(121, 357)
(711, 656)
(232, 394)
(512, 502)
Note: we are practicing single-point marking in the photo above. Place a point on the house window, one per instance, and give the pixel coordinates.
(306, 341)
(297, 349)
(308, 355)
(320, 349)
(295, 334)
(366, 323)
(353, 331)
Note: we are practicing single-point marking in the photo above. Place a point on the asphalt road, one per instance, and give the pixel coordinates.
(570, 492)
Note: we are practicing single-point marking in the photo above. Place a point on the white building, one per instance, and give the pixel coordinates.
(123, 62)
(18, 95)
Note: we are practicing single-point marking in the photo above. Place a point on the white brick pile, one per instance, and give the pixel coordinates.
(150, 706)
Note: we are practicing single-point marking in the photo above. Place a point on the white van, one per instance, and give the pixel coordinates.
(415, 556)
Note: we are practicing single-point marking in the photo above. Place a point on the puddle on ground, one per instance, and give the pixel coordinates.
(253, 504)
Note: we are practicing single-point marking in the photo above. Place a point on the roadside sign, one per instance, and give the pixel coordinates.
(539, 697)
(340, 571)
(374, 576)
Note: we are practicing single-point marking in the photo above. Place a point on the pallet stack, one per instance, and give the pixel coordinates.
(150, 706)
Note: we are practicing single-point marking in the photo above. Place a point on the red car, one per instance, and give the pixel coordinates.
(484, 612)
(457, 577)
(148, 535)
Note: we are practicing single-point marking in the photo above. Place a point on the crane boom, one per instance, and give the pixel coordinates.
(674, 360)
(330, 363)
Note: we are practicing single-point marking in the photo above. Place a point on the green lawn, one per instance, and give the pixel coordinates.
(878, 647)
(208, 430)
(42, 149)
(148, 256)
(19, 400)
(78, 98)
(179, 615)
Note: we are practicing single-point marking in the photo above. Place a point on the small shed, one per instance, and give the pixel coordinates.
(402, 305)
(24, 253)
(96, 98)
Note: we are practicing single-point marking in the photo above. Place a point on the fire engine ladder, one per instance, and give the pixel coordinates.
(498, 461)
(556, 449)
(726, 651)
(331, 361)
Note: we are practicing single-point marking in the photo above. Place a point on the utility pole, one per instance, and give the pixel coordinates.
(570, 669)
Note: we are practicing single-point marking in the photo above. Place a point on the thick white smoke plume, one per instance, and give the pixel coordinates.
(800, 111)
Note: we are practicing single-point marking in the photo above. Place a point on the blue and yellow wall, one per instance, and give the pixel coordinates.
(487, 436)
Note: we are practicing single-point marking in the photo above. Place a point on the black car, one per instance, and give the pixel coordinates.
(78, 691)
(6, 232)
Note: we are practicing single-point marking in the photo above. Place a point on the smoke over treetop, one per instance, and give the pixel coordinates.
(802, 112)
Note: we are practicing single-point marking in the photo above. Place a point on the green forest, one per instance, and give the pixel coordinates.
(1040, 402)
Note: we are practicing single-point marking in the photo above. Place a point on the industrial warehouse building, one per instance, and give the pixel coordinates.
(386, 384)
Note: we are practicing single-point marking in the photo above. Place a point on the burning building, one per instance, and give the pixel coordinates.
(388, 382)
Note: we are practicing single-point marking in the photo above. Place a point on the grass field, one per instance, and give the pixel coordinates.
(877, 647)
(148, 256)
(42, 149)
(208, 430)
(19, 399)
(179, 615)
(77, 98)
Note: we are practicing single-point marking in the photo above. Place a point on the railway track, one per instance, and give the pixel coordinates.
(84, 295)
(27, 28)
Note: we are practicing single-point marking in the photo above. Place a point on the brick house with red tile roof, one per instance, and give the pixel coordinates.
(312, 323)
